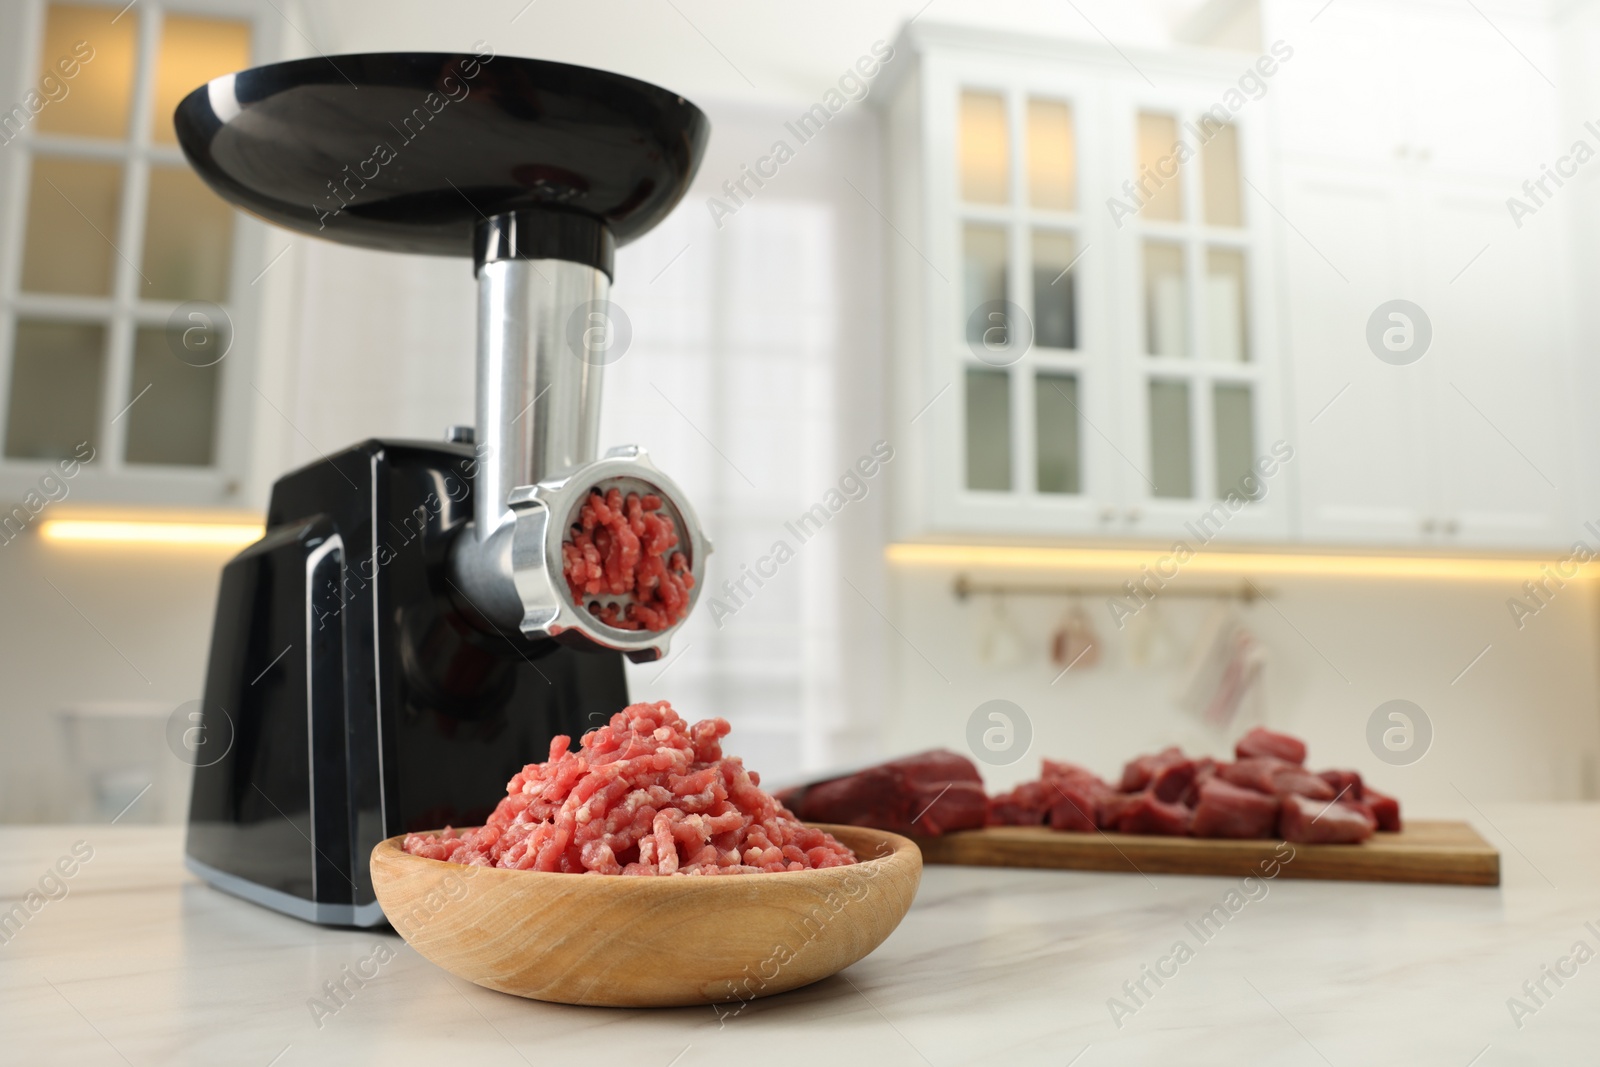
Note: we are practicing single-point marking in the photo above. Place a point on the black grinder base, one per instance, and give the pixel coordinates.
(361, 698)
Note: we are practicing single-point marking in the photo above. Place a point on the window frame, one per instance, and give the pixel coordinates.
(109, 479)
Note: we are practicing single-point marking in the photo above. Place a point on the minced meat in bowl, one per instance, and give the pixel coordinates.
(646, 794)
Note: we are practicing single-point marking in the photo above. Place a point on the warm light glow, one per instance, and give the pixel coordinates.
(228, 535)
(1128, 561)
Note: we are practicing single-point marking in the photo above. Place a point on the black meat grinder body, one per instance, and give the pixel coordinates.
(372, 670)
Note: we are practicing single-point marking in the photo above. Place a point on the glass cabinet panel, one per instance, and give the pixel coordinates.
(1055, 304)
(988, 429)
(985, 149)
(1166, 300)
(1171, 462)
(188, 242)
(192, 52)
(1234, 419)
(1060, 464)
(90, 58)
(57, 370)
(1219, 174)
(174, 421)
(1052, 156)
(983, 273)
(1227, 324)
(1159, 181)
(73, 209)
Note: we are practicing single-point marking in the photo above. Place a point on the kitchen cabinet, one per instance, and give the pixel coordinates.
(1387, 196)
(1163, 349)
(1084, 328)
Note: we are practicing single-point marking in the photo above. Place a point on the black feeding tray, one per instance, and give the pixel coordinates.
(416, 151)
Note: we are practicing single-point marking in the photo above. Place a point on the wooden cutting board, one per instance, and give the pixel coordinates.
(1448, 853)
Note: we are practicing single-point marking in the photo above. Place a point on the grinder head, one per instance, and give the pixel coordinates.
(548, 516)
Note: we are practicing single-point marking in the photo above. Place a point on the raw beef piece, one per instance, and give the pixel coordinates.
(1075, 796)
(1346, 784)
(961, 806)
(940, 790)
(1141, 770)
(1364, 808)
(1076, 802)
(1226, 810)
(1266, 774)
(1109, 809)
(1147, 815)
(1385, 809)
(1264, 742)
(936, 767)
(1026, 805)
(1070, 772)
(1205, 769)
(1173, 782)
(1312, 822)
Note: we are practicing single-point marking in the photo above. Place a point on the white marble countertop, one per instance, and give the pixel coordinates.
(141, 964)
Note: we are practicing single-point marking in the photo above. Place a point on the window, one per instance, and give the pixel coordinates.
(114, 322)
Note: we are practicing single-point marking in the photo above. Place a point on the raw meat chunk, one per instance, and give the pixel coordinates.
(1077, 796)
(1026, 805)
(1346, 784)
(1147, 815)
(1226, 810)
(1263, 742)
(1364, 808)
(1076, 801)
(928, 793)
(1141, 770)
(1205, 769)
(1311, 822)
(1174, 781)
(1110, 808)
(1385, 809)
(1070, 772)
(1266, 774)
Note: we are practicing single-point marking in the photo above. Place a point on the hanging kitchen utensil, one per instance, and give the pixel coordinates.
(1075, 643)
(1224, 669)
(999, 642)
(1207, 660)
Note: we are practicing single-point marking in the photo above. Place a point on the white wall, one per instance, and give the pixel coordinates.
(1520, 724)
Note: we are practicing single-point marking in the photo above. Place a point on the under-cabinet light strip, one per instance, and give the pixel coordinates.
(234, 535)
(1562, 567)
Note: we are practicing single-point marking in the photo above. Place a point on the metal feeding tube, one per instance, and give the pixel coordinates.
(538, 398)
(539, 373)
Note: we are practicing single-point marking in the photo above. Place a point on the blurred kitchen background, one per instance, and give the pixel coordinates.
(941, 162)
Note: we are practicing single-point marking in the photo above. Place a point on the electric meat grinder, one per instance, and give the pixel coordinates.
(403, 639)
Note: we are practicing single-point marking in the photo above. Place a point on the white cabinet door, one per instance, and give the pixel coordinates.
(1476, 104)
(1359, 426)
(1498, 379)
(1339, 95)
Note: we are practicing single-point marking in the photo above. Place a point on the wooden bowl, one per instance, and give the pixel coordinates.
(648, 942)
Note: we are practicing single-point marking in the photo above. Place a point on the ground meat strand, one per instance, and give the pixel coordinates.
(619, 547)
(646, 794)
